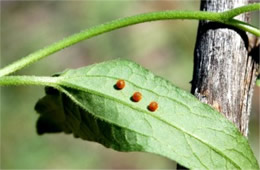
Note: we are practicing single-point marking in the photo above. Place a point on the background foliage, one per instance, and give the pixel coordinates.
(165, 47)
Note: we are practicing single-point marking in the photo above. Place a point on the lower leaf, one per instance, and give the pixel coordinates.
(181, 128)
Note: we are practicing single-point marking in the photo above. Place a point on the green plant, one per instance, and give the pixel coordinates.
(85, 88)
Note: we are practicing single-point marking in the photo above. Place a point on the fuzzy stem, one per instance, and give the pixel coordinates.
(29, 80)
(237, 11)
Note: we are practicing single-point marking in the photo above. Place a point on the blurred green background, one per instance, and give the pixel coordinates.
(165, 47)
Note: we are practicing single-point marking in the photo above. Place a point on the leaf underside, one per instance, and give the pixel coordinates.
(182, 128)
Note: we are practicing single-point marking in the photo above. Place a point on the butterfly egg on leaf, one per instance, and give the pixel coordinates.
(153, 106)
(120, 84)
(136, 97)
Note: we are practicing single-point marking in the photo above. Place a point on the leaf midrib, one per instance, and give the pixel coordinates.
(151, 91)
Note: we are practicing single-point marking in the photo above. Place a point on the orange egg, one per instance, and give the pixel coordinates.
(137, 96)
(153, 106)
(120, 84)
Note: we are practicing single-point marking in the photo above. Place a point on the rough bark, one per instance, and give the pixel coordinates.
(224, 71)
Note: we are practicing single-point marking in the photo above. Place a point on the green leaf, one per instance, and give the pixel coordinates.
(182, 128)
(257, 82)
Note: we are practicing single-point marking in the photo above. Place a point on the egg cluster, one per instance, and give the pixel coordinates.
(137, 96)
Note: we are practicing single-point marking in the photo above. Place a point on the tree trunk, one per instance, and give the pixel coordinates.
(224, 68)
(224, 72)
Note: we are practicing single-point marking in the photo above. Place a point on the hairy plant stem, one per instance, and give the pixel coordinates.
(222, 17)
(239, 10)
(29, 80)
